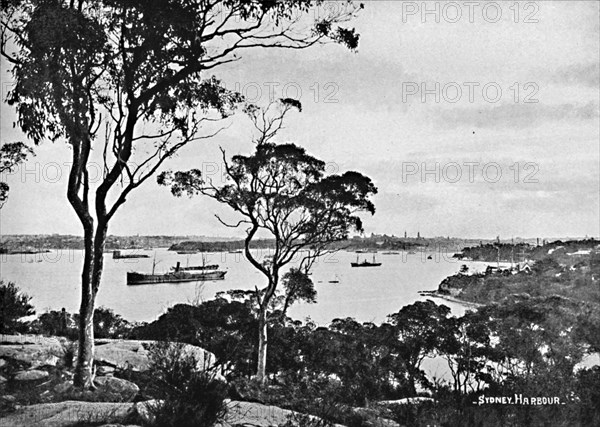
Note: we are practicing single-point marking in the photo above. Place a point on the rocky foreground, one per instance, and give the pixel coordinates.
(36, 389)
(112, 414)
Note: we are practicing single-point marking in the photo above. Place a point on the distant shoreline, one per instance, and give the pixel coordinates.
(436, 294)
(26, 252)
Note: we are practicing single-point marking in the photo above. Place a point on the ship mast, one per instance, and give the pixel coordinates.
(154, 262)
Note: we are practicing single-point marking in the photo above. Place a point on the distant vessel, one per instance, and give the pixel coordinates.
(335, 279)
(119, 255)
(187, 252)
(365, 263)
(197, 267)
(134, 278)
(390, 253)
(239, 251)
(24, 251)
(178, 275)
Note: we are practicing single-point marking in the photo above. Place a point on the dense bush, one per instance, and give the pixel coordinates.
(588, 386)
(13, 305)
(225, 328)
(55, 323)
(189, 397)
(107, 324)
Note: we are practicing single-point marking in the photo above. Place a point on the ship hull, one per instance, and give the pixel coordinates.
(179, 277)
(130, 256)
(365, 264)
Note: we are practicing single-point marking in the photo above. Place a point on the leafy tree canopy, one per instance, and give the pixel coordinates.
(11, 155)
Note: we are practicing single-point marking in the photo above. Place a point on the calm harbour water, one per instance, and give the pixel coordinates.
(367, 294)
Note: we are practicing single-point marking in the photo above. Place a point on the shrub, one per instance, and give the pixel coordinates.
(13, 305)
(69, 352)
(107, 324)
(188, 397)
(588, 390)
(55, 323)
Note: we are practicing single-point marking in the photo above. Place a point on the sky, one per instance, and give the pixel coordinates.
(473, 120)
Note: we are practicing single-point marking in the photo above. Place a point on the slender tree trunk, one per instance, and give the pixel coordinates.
(261, 370)
(90, 283)
(412, 370)
(79, 201)
(85, 354)
(263, 304)
(94, 240)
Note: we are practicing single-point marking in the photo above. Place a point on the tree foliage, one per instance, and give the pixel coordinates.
(282, 190)
(349, 363)
(11, 154)
(14, 304)
(417, 329)
(225, 328)
(297, 286)
(108, 324)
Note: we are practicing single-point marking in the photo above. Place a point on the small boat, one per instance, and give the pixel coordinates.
(429, 257)
(365, 263)
(335, 279)
(239, 251)
(390, 253)
(187, 252)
